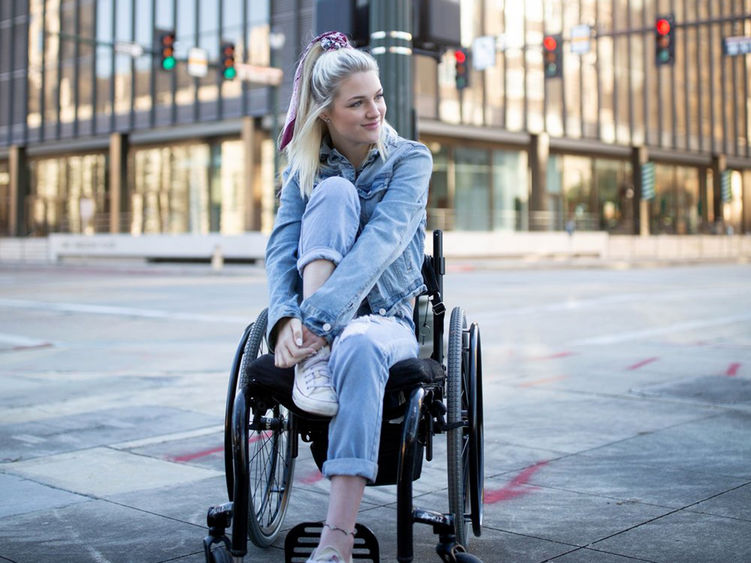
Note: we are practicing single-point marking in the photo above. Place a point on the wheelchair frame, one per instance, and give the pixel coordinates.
(258, 511)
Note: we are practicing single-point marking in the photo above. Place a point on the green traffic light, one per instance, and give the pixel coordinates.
(168, 63)
(230, 73)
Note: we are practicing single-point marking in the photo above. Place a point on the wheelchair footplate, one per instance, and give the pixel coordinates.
(301, 542)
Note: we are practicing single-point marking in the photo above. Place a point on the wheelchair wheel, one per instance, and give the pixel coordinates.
(465, 421)
(249, 348)
(271, 469)
(476, 432)
(271, 465)
(457, 452)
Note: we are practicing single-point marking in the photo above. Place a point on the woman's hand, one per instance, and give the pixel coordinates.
(294, 343)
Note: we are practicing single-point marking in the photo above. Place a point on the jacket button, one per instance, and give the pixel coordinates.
(326, 327)
(381, 312)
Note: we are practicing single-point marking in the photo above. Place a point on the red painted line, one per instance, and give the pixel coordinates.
(203, 453)
(514, 488)
(196, 455)
(552, 356)
(542, 381)
(311, 478)
(637, 365)
(460, 268)
(733, 369)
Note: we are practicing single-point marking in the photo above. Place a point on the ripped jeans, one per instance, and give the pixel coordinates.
(367, 347)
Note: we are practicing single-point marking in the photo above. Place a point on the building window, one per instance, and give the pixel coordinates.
(510, 191)
(191, 188)
(68, 195)
(472, 197)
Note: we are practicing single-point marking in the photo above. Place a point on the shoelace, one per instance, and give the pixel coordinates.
(315, 371)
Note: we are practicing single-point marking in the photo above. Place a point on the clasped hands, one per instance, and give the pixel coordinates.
(295, 342)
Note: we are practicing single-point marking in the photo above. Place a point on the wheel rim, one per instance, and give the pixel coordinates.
(270, 473)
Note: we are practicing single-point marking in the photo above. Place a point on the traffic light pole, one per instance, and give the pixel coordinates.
(391, 45)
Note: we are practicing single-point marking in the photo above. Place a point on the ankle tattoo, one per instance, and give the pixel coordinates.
(338, 529)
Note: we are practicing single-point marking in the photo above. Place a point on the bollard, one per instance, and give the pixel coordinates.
(217, 259)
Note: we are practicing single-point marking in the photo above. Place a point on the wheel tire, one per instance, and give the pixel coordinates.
(457, 461)
(248, 349)
(476, 431)
(271, 466)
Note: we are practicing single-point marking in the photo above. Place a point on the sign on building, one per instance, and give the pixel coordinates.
(580, 36)
(648, 180)
(268, 75)
(198, 62)
(483, 52)
(739, 45)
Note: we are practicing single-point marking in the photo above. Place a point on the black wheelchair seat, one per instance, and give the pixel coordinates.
(266, 382)
(262, 378)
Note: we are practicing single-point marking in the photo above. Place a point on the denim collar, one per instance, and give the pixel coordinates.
(331, 157)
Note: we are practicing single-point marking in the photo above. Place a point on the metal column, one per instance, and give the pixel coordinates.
(391, 45)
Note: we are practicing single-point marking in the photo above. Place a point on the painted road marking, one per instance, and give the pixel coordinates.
(733, 369)
(542, 381)
(642, 363)
(657, 331)
(18, 342)
(195, 455)
(168, 438)
(514, 488)
(88, 309)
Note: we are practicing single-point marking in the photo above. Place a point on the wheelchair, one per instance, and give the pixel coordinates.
(426, 396)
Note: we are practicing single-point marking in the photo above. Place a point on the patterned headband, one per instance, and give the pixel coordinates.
(330, 41)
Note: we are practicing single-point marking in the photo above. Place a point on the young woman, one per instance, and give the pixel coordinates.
(344, 263)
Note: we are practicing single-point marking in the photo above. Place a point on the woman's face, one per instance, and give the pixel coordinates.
(356, 116)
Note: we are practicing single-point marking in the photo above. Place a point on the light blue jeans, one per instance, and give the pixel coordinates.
(362, 354)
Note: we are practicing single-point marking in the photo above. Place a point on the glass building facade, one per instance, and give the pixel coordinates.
(95, 137)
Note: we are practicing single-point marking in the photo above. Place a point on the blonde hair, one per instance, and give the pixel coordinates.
(323, 72)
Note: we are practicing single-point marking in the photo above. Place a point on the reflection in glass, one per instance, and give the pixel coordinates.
(472, 195)
(68, 195)
(510, 191)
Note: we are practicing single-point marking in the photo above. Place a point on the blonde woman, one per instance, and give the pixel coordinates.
(344, 263)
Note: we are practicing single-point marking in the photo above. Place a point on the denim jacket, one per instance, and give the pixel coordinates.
(382, 271)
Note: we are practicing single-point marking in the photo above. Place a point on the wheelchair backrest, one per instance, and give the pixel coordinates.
(429, 309)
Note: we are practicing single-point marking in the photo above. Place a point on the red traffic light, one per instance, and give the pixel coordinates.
(549, 43)
(460, 56)
(663, 26)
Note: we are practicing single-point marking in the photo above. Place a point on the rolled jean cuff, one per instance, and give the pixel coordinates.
(351, 466)
(322, 253)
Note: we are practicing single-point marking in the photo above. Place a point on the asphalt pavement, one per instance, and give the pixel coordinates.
(617, 412)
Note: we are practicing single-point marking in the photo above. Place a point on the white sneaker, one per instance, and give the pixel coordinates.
(328, 554)
(313, 391)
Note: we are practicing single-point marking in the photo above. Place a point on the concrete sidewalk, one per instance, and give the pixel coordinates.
(111, 436)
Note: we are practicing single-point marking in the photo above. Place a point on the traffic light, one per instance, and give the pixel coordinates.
(462, 68)
(664, 40)
(167, 49)
(228, 61)
(552, 56)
